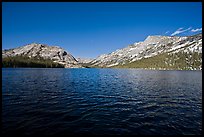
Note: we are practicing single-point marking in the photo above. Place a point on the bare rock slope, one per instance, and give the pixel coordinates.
(55, 53)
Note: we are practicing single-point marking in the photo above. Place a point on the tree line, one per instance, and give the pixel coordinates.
(24, 61)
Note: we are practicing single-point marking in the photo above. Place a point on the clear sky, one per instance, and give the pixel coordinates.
(90, 29)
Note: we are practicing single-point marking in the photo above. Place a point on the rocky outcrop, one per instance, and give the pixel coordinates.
(34, 50)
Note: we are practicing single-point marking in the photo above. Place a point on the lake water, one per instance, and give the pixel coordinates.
(101, 101)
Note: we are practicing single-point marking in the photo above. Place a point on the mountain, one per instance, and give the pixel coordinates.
(156, 52)
(41, 51)
(84, 60)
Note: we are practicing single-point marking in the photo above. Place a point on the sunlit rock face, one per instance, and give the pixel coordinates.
(55, 53)
(151, 46)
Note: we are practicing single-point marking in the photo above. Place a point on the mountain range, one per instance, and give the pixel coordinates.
(155, 52)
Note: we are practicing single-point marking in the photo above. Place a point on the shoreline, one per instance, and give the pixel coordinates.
(108, 68)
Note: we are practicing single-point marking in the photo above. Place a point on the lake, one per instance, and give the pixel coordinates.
(57, 101)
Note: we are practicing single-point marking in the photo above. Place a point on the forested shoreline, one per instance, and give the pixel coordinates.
(24, 61)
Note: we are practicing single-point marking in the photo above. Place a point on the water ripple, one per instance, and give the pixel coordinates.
(101, 101)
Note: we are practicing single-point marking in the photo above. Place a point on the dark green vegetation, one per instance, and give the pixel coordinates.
(180, 61)
(24, 61)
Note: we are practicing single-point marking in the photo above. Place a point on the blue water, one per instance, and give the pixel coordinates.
(101, 101)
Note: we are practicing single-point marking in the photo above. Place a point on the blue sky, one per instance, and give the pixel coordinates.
(90, 29)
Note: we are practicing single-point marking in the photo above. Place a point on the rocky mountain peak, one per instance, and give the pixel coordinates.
(55, 53)
(158, 39)
(152, 39)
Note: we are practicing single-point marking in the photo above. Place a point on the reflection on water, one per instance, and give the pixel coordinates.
(101, 101)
